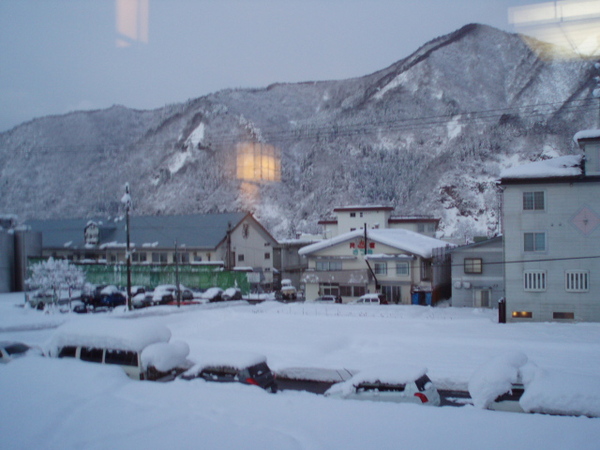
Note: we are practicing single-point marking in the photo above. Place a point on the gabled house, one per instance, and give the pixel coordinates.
(551, 222)
(234, 241)
(478, 274)
(395, 262)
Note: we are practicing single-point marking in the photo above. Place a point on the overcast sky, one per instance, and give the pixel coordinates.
(58, 56)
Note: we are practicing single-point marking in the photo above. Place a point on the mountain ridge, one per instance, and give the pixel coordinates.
(428, 134)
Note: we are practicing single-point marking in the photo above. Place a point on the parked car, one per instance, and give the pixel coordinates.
(141, 300)
(288, 291)
(164, 294)
(370, 299)
(213, 294)
(143, 350)
(509, 401)
(241, 368)
(232, 294)
(111, 296)
(401, 384)
(328, 299)
(12, 349)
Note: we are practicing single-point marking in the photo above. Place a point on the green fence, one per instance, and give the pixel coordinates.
(150, 276)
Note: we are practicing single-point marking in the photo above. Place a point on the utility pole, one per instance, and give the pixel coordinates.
(126, 199)
(177, 276)
(596, 92)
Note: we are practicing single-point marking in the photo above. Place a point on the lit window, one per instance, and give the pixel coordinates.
(534, 242)
(533, 201)
(534, 280)
(577, 281)
(522, 314)
(258, 162)
(473, 265)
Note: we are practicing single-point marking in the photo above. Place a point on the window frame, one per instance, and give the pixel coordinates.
(534, 247)
(531, 284)
(472, 263)
(405, 264)
(577, 281)
(535, 201)
(380, 268)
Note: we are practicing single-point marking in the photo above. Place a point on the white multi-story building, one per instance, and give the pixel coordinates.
(551, 223)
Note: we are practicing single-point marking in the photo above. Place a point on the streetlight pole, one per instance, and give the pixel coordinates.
(126, 199)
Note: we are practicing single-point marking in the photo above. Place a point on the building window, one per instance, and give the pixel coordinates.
(533, 201)
(328, 266)
(577, 281)
(473, 265)
(522, 314)
(240, 258)
(329, 289)
(352, 214)
(381, 268)
(534, 242)
(183, 258)
(197, 257)
(138, 257)
(352, 291)
(563, 315)
(267, 255)
(402, 268)
(159, 258)
(534, 280)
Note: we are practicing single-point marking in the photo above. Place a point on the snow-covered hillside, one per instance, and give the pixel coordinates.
(427, 135)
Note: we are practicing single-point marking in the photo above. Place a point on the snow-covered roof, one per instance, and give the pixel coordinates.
(193, 230)
(405, 240)
(119, 334)
(586, 134)
(563, 166)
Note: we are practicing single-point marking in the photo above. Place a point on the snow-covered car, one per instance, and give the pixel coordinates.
(398, 384)
(141, 300)
(213, 294)
(11, 349)
(232, 294)
(143, 350)
(510, 382)
(327, 299)
(370, 299)
(245, 368)
(164, 294)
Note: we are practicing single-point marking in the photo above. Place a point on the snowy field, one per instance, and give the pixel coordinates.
(66, 404)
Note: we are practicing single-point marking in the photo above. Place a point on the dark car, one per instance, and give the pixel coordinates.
(232, 294)
(104, 297)
(254, 371)
(10, 350)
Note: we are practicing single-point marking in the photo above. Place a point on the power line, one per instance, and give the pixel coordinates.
(335, 130)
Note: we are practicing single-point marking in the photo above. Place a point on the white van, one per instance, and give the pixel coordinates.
(133, 346)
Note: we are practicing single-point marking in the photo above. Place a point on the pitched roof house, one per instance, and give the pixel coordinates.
(396, 262)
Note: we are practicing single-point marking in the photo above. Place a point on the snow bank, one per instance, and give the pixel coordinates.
(561, 393)
(110, 333)
(165, 355)
(389, 374)
(495, 378)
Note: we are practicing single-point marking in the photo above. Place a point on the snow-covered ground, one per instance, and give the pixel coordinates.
(51, 403)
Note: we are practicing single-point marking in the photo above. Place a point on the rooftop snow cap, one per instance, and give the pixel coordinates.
(563, 166)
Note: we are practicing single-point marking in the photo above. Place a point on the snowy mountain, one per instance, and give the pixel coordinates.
(427, 135)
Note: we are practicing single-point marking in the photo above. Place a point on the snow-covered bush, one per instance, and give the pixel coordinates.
(54, 275)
